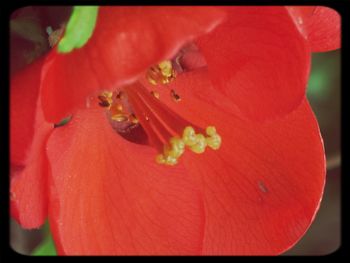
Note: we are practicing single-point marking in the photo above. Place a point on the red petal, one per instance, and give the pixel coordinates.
(28, 134)
(109, 196)
(126, 41)
(259, 60)
(320, 25)
(29, 187)
(263, 186)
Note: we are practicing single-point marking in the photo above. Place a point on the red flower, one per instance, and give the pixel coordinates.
(96, 178)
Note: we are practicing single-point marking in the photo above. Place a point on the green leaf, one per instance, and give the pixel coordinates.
(46, 248)
(80, 27)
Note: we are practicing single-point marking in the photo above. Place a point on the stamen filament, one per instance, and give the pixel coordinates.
(168, 132)
(155, 132)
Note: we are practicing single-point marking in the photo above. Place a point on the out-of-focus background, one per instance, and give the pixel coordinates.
(29, 40)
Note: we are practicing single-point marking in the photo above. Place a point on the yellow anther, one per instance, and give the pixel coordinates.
(169, 160)
(171, 152)
(210, 130)
(119, 117)
(214, 142)
(166, 160)
(151, 80)
(106, 99)
(214, 139)
(189, 136)
(200, 145)
(107, 94)
(163, 73)
(166, 68)
(197, 143)
(176, 149)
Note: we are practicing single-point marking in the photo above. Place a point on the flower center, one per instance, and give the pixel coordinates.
(136, 109)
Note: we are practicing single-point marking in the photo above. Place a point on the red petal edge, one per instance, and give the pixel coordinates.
(258, 59)
(319, 24)
(263, 187)
(28, 134)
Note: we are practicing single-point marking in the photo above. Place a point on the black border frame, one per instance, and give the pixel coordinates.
(6, 252)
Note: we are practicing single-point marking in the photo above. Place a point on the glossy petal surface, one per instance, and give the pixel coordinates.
(263, 186)
(108, 196)
(259, 60)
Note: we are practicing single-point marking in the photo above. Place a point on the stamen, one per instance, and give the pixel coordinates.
(135, 106)
(214, 139)
(171, 153)
(106, 99)
(167, 131)
(122, 117)
(103, 101)
(163, 73)
(197, 143)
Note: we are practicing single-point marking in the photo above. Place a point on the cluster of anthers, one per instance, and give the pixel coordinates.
(195, 142)
(116, 109)
(156, 116)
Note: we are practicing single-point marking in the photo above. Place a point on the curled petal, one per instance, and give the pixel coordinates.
(28, 134)
(126, 41)
(259, 60)
(110, 197)
(319, 24)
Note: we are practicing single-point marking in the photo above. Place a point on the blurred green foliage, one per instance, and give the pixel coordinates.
(324, 93)
(47, 246)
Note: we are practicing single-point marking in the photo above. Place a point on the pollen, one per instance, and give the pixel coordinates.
(171, 152)
(163, 73)
(195, 142)
(166, 68)
(214, 139)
